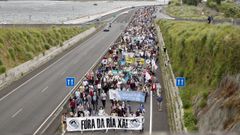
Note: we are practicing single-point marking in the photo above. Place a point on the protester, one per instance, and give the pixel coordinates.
(160, 99)
(103, 98)
(129, 65)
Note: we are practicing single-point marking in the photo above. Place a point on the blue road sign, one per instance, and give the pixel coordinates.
(70, 81)
(180, 81)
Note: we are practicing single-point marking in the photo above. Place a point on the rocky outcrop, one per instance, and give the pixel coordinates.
(222, 112)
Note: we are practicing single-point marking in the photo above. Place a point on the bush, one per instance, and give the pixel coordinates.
(2, 69)
(1, 46)
(47, 47)
(190, 121)
(186, 103)
(212, 4)
(203, 103)
(29, 55)
(192, 2)
(1, 63)
(228, 8)
(205, 95)
(12, 53)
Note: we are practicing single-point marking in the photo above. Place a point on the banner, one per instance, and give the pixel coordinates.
(104, 123)
(141, 60)
(130, 60)
(127, 95)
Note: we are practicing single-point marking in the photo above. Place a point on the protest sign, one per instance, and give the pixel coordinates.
(141, 60)
(104, 123)
(127, 95)
(130, 60)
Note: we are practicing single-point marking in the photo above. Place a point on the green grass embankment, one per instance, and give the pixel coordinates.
(230, 9)
(18, 45)
(203, 10)
(193, 12)
(204, 54)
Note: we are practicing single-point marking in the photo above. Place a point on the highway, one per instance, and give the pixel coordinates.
(26, 103)
(160, 119)
(25, 106)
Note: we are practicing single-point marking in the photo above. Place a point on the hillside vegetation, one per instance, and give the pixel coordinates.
(204, 54)
(195, 9)
(18, 45)
(230, 9)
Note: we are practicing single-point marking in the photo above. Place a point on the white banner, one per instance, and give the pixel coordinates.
(134, 96)
(104, 123)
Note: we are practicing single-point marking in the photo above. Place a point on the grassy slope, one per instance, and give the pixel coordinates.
(202, 11)
(194, 12)
(230, 9)
(18, 45)
(203, 54)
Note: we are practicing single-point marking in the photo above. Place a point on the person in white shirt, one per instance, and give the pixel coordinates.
(86, 113)
(101, 112)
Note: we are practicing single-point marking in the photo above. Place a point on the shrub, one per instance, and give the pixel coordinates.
(29, 55)
(47, 47)
(12, 53)
(190, 121)
(1, 45)
(205, 95)
(192, 2)
(1, 63)
(186, 103)
(203, 103)
(2, 69)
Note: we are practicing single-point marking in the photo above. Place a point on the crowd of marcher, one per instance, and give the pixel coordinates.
(129, 65)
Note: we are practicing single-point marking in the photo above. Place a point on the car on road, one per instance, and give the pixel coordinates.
(106, 29)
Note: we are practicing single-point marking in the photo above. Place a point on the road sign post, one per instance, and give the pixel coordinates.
(180, 81)
(70, 81)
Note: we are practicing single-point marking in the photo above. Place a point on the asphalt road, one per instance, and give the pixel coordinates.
(25, 106)
(26, 103)
(160, 118)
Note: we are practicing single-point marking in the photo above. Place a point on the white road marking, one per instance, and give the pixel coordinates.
(44, 89)
(151, 111)
(16, 113)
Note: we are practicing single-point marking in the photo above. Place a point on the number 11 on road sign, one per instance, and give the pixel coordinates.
(180, 81)
(70, 81)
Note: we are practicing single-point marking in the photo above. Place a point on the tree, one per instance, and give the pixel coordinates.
(192, 2)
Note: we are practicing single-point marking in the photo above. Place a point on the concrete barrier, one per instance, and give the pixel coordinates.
(174, 102)
(17, 72)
